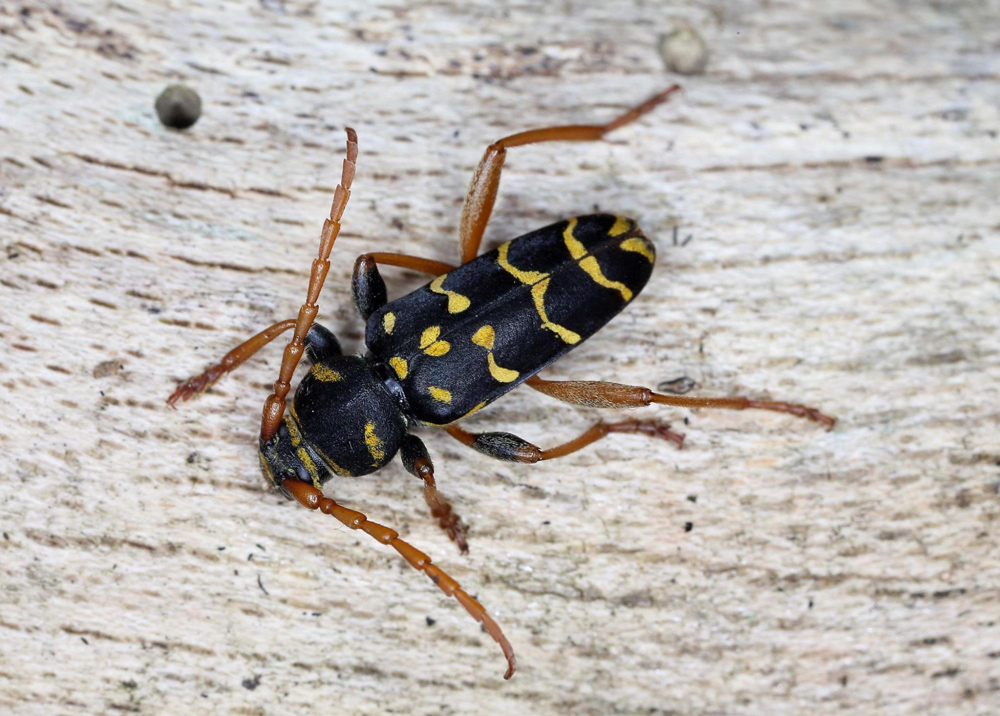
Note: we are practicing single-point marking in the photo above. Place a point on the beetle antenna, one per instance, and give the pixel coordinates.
(274, 406)
(310, 497)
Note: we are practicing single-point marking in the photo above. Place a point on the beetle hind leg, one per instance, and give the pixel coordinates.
(597, 394)
(310, 497)
(482, 191)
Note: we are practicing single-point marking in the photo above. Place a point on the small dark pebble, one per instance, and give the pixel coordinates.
(178, 107)
(688, 526)
(430, 622)
(251, 684)
(692, 498)
(678, 386)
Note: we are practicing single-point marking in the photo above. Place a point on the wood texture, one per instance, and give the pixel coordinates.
(832, 180)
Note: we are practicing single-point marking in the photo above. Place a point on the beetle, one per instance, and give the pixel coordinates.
(451, 347)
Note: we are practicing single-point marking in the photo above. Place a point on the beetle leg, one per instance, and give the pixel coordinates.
(368, 286)
(319, 344)
(310, 497)
(482, 191)
(511, 448)
(418, 463)
(274, 406)
(597, 394)
(232, 360)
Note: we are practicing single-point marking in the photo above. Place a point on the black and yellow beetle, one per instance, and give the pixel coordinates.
(448, 349)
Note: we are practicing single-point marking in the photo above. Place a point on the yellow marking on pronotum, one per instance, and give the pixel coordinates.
(439, 394)
(399, 365)
(374, 443)
(538, 295)
(337, 469)
(267, 470)
(389, 322)
(589, 263)
(310, 466)
(456, 301)
(291, 422)
(431, 345)
(325, 373)
(620, 226)
(638, 246)
(485, 337)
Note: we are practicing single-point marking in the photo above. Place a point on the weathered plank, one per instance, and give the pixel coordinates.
(837, 172)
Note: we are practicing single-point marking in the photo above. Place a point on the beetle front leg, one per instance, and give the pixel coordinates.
(597, 394)
(320, 343)
(511, 448)
(418, 463)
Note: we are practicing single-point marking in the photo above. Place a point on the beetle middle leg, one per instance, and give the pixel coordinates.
(482, 192)
(597, 394)
(310, 497)
(418, 463)
(367, 284)
(511, 448)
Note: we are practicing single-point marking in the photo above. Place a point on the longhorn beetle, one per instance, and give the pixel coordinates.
(448, 349)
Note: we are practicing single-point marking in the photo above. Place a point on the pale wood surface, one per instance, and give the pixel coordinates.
(855, 570)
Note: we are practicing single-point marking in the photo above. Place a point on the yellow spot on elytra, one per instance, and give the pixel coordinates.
(620, 226)
(576, 249)
(503, 375)
(429, 336)
(589, 263)
(484, 337)
(389, 322)
(399, 365)
(374, 443)
(325, 373)
(456, 301)
(475, 409)
(538, 295)
(539, 283)
(438, 348)
(528, 277)
(638, 246)
(593, 269)
(431, 345)
(439, 394)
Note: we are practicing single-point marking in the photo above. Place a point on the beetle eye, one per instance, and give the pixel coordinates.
(302, 474)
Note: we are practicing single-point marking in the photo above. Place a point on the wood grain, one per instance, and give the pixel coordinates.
(832, 181)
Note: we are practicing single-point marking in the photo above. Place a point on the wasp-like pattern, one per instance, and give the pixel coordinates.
(448, 349)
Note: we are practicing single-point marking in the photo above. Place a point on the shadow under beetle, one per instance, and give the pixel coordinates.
(446, 350)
